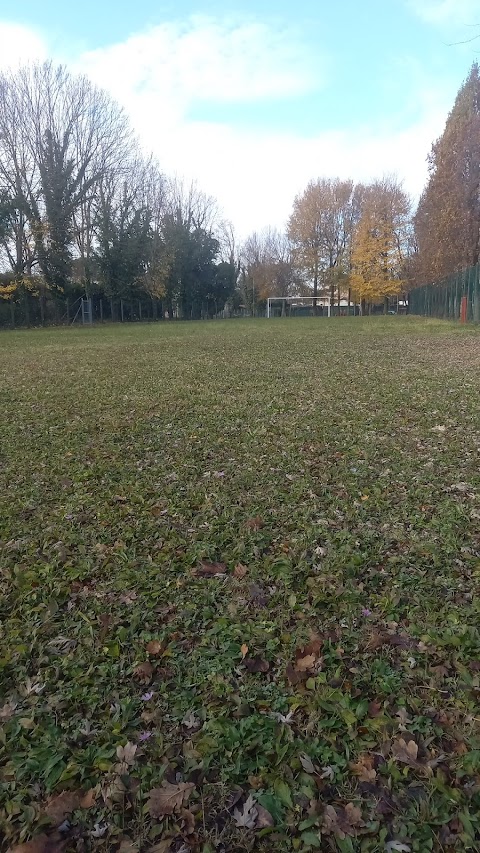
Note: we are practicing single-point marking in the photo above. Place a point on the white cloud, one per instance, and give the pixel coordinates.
(255, 176)
(447, 12)
(254, 173)
(204, 60)
(18, 42)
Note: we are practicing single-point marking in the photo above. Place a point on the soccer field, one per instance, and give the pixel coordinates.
(239, 568)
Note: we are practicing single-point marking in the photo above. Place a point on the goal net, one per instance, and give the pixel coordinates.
(298, 306)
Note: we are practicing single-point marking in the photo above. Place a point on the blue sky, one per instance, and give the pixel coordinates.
(255, 98)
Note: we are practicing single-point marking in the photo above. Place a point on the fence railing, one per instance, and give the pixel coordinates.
(443, 299)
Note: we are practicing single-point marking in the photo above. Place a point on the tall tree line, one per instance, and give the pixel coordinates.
(82, 210)
(342, 240)
(447, 221)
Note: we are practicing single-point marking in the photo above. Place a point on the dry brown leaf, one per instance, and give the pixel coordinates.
(42, 844)
(293, 676)
(62, 805)
(143, 672)
(405, 752)
(307, 763)
(247, 815)
(256, 664)
(155, 647)
(305, 664)
(307, 659)
(169, 798)
(127, 753)
(206, 569)
(364, 768)
(243, 650)
(161, 846)
(240, 571)
(342, 821)
(264, 818)
(189, 821)
(383, 638)
(89, 800)
(255, 523)
(128, 846)
(8, 710)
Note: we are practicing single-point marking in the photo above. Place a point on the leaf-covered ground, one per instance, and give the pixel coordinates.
(239, 570)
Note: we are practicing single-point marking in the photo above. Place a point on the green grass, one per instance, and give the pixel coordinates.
(337, 462)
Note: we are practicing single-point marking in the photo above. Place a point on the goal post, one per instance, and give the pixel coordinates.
(320, 301)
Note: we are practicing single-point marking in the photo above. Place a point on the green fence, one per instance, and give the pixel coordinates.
(443, 299)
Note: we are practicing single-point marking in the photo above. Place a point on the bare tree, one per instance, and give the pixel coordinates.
(59, 135)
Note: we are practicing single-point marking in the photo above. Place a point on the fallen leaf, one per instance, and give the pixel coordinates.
(383, 638)
(258, 595)
(191, 721)
(240, 571)
(143, 672)
(342, 822)
(88, 801)
(397, 846)
(128, 846)
(127, 753)
(62, 805)
(206, 569)
(155, 647)
(162, 846)
(307, 659)
(255, 523)
(307, 763)
(405, 752)
(243, 650)
(169, 798)
(264, 818)
(41, 844)
(293, 676)
(305, 664)
(256, 664)
(247, 816)
(364, 768)
(189, 821)
(8, 710)
(128, 598)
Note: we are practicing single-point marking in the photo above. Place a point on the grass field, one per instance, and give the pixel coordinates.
(240, 572)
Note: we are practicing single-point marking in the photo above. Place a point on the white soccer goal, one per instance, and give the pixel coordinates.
(322, 302)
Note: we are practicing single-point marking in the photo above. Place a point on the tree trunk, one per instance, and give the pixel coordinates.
(315, 291)
(67, 310)
(139, 310)
(12, 313)
(363, 307)
(112, 313)
(101, 310)
(121, 310)
(42, 308)
(385, 304)
(27, 308)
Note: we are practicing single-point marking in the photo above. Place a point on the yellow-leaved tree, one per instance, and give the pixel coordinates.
(380, 242)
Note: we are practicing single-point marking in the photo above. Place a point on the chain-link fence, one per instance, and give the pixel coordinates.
(443, 299)
(30, 310)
